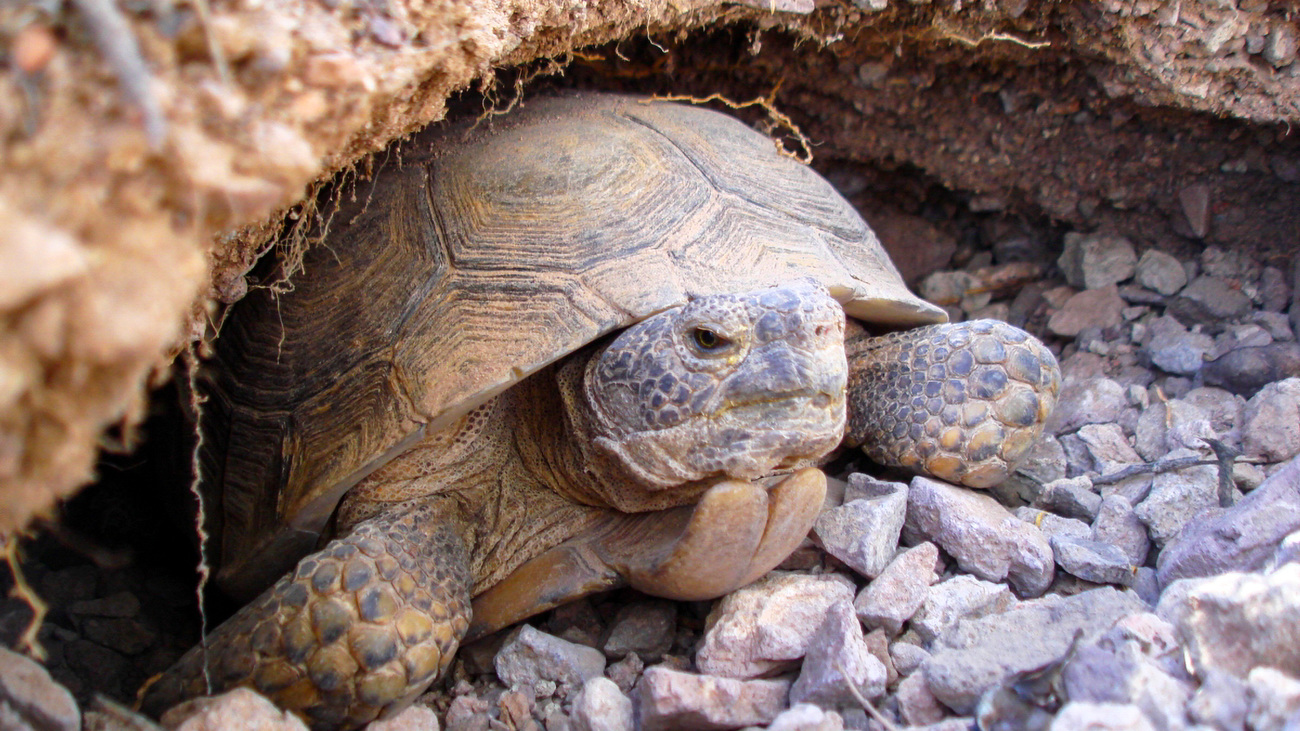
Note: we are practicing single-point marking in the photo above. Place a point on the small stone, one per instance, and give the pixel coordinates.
(1100, 563)
(1274, 294)
(1118, 525)
(1220, 702)
(123, 604)
(1146, 585)
(467, 713)
(626, 672)
(961, 597)
(1221, 408)
(863, 533)
(1246, 370)
(1093, 261)
(915, 246)
(1053, 525)
(1272, 422)
(1108, 448)
(1209, 301)
(643, 627)
(1161, 272)
(1238, 336)
(837, 661)
(1236, 621)
(806, 717)
(1044, 463)
(1072, 497)
(674, 700)
(1242, 538)
(1277, 324)
(1158, 427)
(907, 657)
(1086, 401)
(1085, 716)
(1274, 699)
(977, 654)
(1091, 308)
(984, 538)
(946, 287)
(531, 655)
(415, 718)
(1176, 497)
(601, 706)
(895, 595)
(1195, 201)
(765, 627)
(30, 696)
(1174, 349)
(240, 708)
(127, 636)
(1280, 45)
(917, 706)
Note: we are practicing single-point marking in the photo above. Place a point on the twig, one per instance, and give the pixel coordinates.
(200, 519)
(866, 704)
(28, 641)
(115, 39)
(768, 103)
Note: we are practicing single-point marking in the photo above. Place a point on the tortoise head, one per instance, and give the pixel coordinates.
(727, 385)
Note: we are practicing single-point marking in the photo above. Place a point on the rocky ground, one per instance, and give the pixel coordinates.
(1139, 571)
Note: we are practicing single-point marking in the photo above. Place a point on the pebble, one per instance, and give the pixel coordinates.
(29, 696)
(1174, 349)
(1195, 202)
(1220, 702)
(917, 706)
(1242, 538)
(1090, 560)
(1091, 308)
(1053, 525)
(1176, 497)
(900, 590)
(806, 717)
(673, 700)
(907, 657)
(957, 598)
(1071, 497)
(984, 538)
(1086, 401)
(1093, 261)
(602, 706)
(863, 533)
(838, 660)
(1108, 449)
(1271, 426)
(530, 656)
(767, 626)
(1274, 699)
(1085, 716)
(1234, 622)
(644, 627)
(467, 713)
(1246, 370)
(1209, 300)
(979, 653)
(1158, 427)
(1118, 525)
(239, 708)
(415, 718)
(1160, 272)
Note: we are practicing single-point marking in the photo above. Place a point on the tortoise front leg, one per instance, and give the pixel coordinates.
(358, 630)
(962, 402)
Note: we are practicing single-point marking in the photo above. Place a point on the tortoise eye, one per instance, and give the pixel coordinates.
(708, 340)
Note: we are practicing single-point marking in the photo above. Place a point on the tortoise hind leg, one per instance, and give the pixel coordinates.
(963, 401)
(358, 630)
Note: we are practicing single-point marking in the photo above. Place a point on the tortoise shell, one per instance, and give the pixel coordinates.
(474, 258)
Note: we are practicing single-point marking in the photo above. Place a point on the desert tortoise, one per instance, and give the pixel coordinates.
(448, 360)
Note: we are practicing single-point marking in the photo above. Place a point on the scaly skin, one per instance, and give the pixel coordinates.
(962, 402)
(359, 629)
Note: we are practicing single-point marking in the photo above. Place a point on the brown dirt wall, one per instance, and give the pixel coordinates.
(137, 186)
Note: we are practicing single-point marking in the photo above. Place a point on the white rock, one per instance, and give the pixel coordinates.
(837, 658)
(601, 706)
(895, 595)
(1082, 716)
(766, 626)
(672, 700)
